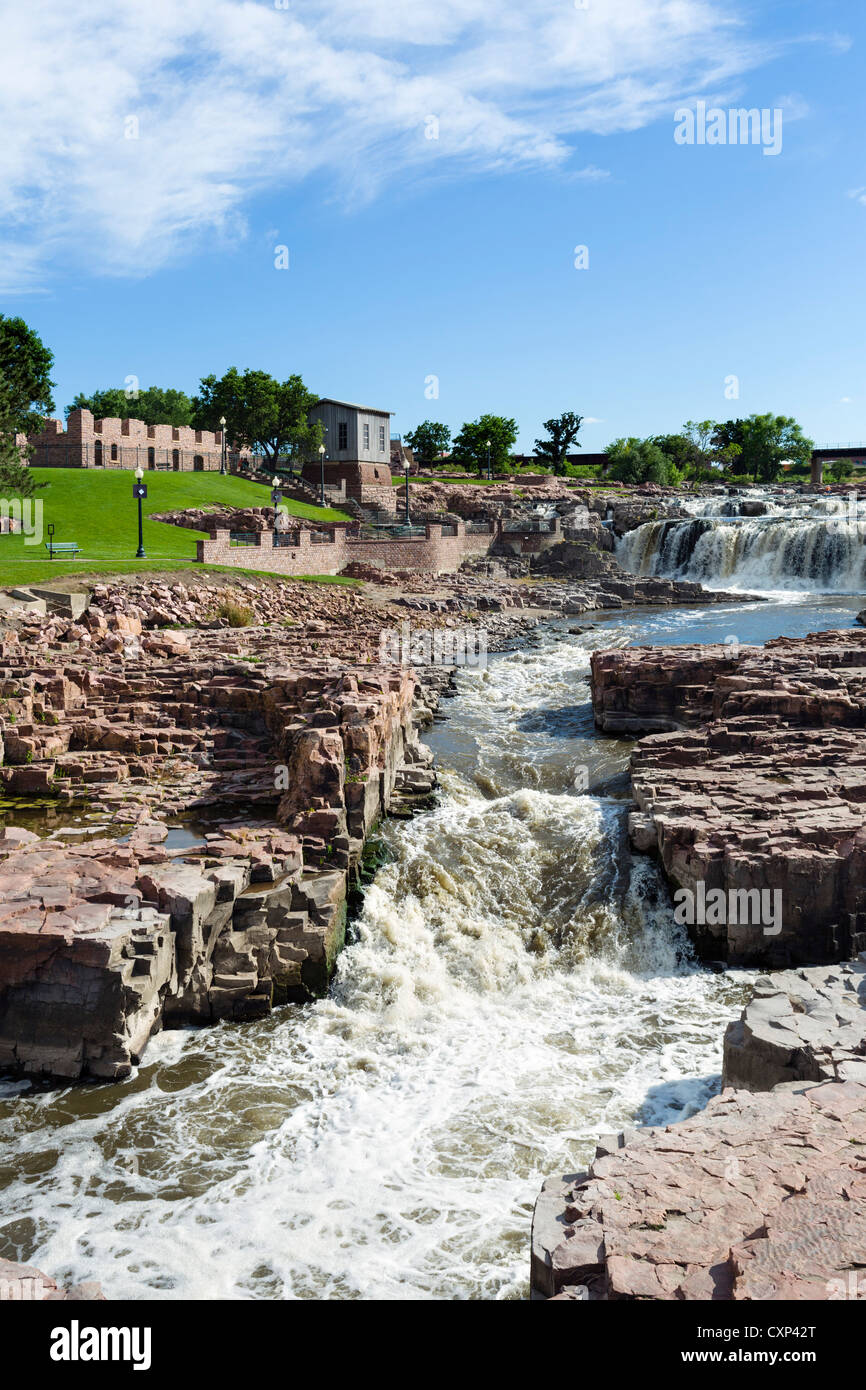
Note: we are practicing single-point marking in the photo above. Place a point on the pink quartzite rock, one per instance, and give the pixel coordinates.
(25, 1284)
(760, 785)
(757, 1197)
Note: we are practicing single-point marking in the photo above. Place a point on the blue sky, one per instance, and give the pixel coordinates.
(453, 258)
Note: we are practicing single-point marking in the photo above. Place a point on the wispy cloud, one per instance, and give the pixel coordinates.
(134, 133)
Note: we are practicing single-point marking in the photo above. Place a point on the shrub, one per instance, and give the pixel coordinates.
(236, 614)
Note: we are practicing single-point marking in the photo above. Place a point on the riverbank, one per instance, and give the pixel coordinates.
(752, 797)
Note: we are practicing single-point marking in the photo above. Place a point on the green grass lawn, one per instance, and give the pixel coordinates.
(98, 511)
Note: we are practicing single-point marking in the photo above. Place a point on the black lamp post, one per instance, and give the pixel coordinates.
(139, 491)
(322, 462)
(276, 498)
(488, 460)
(223, 437)
(406, 466)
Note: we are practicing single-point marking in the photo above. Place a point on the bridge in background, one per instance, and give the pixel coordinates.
(829, 453)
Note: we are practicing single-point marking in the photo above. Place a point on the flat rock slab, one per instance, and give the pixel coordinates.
(756, 1197)
(800, 1025)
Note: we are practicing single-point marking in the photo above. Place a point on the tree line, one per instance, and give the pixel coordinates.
(271, 416)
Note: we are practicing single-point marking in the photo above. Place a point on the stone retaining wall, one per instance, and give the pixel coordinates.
(432, 553)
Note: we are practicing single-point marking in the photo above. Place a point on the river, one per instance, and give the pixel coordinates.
(514, 985)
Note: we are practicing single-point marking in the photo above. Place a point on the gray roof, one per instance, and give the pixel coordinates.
(352, 405)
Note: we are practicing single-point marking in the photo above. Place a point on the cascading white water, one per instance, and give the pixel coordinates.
(515, 985)
(817, 544)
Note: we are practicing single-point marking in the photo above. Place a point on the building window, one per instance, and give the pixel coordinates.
(114, 453)
(97, 453)
(151, 458)
(175, 459)
(342, 435)
(366, 438)
(381, 439)
(198, 464)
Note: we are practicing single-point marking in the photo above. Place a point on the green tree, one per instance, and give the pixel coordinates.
(681, 452)
(260, 412)
(471, 444)
(562, 432)
(840, 470)
(25, 399)
(155, 405)
(765, 442)
(427, 441)
(635, 460)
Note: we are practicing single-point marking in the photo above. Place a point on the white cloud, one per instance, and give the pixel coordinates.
(233, 97)
(592, 420)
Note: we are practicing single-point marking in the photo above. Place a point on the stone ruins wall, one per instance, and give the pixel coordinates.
(116, 443)
(432, 553)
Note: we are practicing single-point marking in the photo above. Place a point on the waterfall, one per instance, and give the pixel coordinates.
(817, 544)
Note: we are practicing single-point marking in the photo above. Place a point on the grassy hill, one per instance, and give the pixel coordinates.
(96, 509)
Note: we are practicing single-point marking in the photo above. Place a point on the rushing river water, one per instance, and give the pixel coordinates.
(799, 541)
(515, 985)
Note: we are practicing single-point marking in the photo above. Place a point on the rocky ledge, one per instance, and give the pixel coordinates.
(760, 791)
(756, 1197)
(800, 1025)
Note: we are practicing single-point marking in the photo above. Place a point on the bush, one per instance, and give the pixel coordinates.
(236, 614)
(638, 461)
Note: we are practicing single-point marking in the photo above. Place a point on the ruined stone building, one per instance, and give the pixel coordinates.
(114, 443)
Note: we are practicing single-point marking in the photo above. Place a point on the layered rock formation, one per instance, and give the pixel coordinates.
(286, 753)
(800, 1025)
(760, 790)
(756, 1197)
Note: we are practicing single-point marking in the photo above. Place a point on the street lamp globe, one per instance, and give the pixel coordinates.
(139, 472)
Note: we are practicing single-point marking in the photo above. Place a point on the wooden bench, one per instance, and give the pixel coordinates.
(62, 548)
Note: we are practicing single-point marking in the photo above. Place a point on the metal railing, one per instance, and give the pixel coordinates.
(242, 538)
(529, 526)
(284, 540)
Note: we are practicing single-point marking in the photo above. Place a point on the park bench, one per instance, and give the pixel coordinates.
(62, 548)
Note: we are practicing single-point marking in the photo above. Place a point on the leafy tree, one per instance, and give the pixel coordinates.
(155, 405)
(696, 452)
(427, 441)
(764, 443)
(562, 432)
(840, 470)
(681, 452)
(635, 460)
(470, 446)
(25, 399)
(260, 411)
